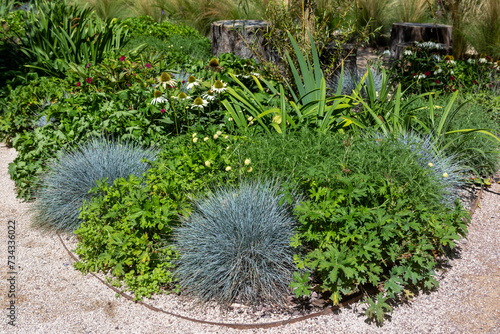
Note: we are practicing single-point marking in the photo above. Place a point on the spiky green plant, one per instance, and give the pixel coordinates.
(69, 177)
(235, 246)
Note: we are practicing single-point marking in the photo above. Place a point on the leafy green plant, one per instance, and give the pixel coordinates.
(58, 34)
(235, 245)
(378, 222)
(66, 184)
(125, 232)
(309, 105)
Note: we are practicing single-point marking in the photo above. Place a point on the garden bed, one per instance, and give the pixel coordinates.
(53, 297)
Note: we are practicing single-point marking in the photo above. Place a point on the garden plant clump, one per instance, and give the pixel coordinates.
(185, 197)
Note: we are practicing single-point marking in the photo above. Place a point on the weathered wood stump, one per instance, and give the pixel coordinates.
(405, 34)
(236, 36)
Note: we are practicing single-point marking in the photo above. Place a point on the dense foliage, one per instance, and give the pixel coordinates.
(370, 163)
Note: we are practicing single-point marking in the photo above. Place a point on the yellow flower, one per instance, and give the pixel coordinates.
(216, 136)
(250, 118)
(194, 134)
(430, 164)
(218, 133)
(207, 163)
(195, 140)
(228, 168)
(445, 175)
(247, 162)
(249, 169)
(205, 139)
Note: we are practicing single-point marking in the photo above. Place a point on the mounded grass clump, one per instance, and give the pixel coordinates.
(69, 177)
(235, 246)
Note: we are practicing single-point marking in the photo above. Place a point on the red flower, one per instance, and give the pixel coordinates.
(162, 111)
(87, 66)
(78, 84)
(427, 73)
(454, 90)
(475, 82)
(122, 58)
(148, 66)
(437, 81)
(89, 80)
(414, 74)
(452, 78)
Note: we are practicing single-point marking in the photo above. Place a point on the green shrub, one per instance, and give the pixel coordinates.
(378, 221)
(351, 238)
(235, 245)
(126, 115)
(26, 102)
(58, 34)
(124, 234)
(70, 176)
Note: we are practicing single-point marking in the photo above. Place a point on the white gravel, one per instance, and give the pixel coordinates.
(52, 297)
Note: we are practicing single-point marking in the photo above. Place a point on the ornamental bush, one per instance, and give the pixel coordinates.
(70, 176)
(125, 232)
(235, 246)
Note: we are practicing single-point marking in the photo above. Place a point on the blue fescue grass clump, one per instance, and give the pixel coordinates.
(235, 246)
(448, 170)
(69, 177)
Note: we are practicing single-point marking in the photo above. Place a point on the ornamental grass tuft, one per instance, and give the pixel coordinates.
(235, 246)
(69, 177)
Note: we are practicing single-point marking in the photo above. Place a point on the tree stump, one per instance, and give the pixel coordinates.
(236, 36)
(405, 34)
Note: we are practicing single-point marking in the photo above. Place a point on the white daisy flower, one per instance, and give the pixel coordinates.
(209, 96)
(182, 96)
(199, 103)
(158, 98)
(219, 86)
(192, 82)
(165, 79)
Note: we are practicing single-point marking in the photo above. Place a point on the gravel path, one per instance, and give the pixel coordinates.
(52, 297)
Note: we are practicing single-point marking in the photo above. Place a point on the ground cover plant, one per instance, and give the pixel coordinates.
(368, 164)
